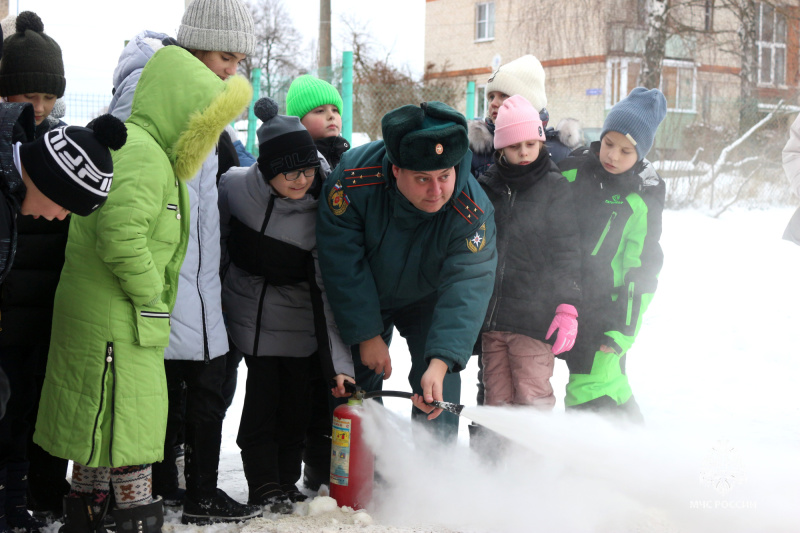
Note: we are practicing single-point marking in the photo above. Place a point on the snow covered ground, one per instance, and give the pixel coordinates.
(714, 371)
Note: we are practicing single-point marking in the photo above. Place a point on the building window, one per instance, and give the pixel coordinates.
(678, 85)
(484, 21)
(678, 82)
(771, 46)
(708, 15)
(623, 75)
(480, 101)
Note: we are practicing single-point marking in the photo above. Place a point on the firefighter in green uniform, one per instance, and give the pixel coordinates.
(407, 241)
(619, 200)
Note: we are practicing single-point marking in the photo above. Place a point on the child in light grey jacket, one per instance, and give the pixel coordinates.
(273, 296)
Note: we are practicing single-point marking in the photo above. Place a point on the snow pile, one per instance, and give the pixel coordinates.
(321, 515)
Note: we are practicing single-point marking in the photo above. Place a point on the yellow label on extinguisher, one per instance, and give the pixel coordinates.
(340, 451)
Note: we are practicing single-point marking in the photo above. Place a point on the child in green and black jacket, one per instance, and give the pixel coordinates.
(619, 200)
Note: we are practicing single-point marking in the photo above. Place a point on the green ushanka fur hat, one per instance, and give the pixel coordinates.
(431, 136)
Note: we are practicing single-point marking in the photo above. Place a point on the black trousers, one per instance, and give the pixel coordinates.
(25, 367)
(19, 365)
(196, 401)
(274, 420)
(317, 453)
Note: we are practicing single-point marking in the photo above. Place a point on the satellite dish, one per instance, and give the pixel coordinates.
(496, 60)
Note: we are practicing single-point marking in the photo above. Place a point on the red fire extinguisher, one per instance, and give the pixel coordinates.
(352, 462)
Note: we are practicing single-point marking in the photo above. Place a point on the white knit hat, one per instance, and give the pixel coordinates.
(523, 76)
(218, 25)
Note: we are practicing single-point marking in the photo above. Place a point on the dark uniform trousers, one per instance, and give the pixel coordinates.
(413, 323)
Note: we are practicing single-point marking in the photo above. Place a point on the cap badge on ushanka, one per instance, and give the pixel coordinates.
(439, 149)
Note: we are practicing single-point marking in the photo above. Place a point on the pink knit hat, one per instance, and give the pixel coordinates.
(517, 121)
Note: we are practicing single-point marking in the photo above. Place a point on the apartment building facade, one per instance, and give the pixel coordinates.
(592, 50)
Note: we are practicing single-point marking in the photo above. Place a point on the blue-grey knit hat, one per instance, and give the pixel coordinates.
(637, 117)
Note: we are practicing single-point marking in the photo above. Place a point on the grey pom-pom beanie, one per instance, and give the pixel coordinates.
(218, 25)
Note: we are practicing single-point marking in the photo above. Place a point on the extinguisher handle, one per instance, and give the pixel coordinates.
(352, 388)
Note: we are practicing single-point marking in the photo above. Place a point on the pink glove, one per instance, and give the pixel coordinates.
(566, 322)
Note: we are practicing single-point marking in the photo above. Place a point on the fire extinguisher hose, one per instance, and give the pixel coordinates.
(353, 389)
(388, 393)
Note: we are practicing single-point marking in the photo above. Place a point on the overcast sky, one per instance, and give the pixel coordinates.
(91, 33)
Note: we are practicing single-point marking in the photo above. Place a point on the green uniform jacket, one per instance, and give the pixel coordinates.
(619, 217)
(104, 401)
(378, 253)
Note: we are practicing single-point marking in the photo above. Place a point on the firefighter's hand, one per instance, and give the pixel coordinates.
(375, 356)
(338, 389)
(431, 383)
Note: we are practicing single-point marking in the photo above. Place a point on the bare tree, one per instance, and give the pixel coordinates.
(742, 45)
(655, 43)
(278, 47)
(526, 17)
(380, 86)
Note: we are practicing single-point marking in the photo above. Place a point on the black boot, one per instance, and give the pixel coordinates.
(47, 484)
(80, 517)
(142, 519)
(217, 508)
(16, 508)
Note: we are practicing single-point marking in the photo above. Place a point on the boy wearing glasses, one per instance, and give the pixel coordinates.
(277, 313)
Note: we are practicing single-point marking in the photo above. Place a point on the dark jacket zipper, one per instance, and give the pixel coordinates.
(206, 354)
(257, 335)
(501, 270)
(605, 233)
(111, 364)
(108, 357)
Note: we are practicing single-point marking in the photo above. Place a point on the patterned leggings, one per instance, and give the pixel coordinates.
(132, 485)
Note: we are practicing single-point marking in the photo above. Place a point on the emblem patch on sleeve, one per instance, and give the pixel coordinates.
(478, 241)
(337, 199)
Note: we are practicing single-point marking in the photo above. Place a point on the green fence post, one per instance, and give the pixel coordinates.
(470, 114)
(252, 145)
(347, 95)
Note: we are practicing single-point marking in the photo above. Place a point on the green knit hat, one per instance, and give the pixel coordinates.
(307, 93)
(31, 60)
(431, 136)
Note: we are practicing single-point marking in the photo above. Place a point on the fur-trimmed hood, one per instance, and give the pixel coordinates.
(570, 133)
(175, 85)
(481, 136)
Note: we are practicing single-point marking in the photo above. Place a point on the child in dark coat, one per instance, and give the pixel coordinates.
(538, 270)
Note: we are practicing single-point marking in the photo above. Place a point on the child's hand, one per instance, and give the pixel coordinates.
(566, 322)
(338, 389)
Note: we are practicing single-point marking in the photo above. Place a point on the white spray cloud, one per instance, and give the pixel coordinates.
(571, 473)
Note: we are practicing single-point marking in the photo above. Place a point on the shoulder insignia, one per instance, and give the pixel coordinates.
(478, 241)
(467, 208)
(338, 200)
(360, 177)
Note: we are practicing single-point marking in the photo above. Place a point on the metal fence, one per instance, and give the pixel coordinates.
(685, 151)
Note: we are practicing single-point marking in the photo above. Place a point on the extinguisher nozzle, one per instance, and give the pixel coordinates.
(448, 406)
